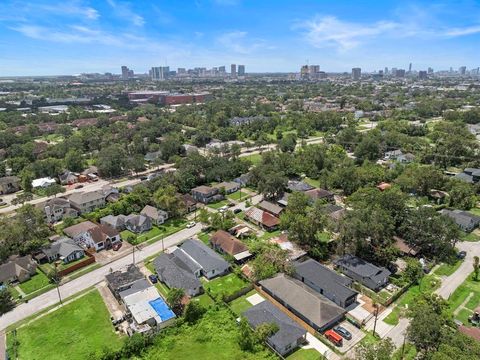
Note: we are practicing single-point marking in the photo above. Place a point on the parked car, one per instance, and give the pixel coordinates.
(236, 211)
(223, 209)
(153, 278)
(343, 332)
(461, 254)
(79, 186)
(334, 337)
(191, 224)
(116, 246)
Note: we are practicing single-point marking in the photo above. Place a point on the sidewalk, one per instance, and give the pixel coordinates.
(3, 348)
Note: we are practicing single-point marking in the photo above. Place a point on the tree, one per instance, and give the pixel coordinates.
(74, 160)
(54, 189)
(462, 195)
(476, 267)
(379, 350)
(175, 298)
(166, 199)
(246, 338)
(111, 160)
(288, 143)
(6, 301)
(265, 330)
(26, 178)
(414, 271)
(193, 312)
(203, 216)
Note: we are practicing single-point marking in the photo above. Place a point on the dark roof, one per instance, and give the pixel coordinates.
(325, 278)
(170, 271)
(362, 268)
(62, 247)
(122, 279)
(304, 300)
(230, 244)
(77, 229)
(462, 218)
(294, 185)
(135, 287)
(288, 330)
(270, 207)
(203, 255)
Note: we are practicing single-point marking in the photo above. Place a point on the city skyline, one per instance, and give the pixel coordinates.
(77, 36)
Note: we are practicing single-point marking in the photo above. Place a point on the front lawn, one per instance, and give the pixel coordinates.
(219, 204)
(72, 332)
(241, 304)
(305, 354)
(36, 282)
(226, 285)
(469, 286)
(215, 336)
(238, 196)
(204, 237)
(475, 211)
(254, 158)
(471, 237)
(170, 227)
(448, 269)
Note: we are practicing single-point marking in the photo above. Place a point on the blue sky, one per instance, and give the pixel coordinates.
(45, 37)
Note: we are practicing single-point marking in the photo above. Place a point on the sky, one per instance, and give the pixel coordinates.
(46, 37)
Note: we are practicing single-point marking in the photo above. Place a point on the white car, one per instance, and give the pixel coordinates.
(191, 224)
(223, 209)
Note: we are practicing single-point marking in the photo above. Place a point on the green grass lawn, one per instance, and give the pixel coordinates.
(409, 353)
(254, 158)
(227, 285)
(36, 282)
(463, 291)
(268, 235)
(312, 182)
(212, 337)
(204, 300)
(204, 237)
(219, 204)
(236, 196)
(241, 304)
(170, 227)
(463, 316)
(305, 354)
(472, 237)
(448, 269)
(475, 211)
(72, 332)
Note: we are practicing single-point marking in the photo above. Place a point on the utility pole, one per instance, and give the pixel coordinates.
(376, 316)
(57, 282)
(403, 345)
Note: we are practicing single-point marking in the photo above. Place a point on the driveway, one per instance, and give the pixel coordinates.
(357, 335)
(83, 282)
(314, 343)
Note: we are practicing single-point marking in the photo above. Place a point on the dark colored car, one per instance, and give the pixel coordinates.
(343, 332)
(79, 186)
(117, 246)
(461, 254)
(153, 278)
(236, 211)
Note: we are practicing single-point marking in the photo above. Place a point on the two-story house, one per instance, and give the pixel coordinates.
(85, 202)
(206, 194)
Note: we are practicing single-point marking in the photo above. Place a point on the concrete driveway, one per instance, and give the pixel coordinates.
(314, 343)
(357, 335)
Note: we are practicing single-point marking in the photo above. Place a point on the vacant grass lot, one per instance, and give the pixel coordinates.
(219, 204)
(36, 282)
(156, 233)
(72, 332)
(238, 196)
(448, 269)
(213, 337)
(254, 158)
(469, 286)
(305, 354)
(226, 285)
(241, 304)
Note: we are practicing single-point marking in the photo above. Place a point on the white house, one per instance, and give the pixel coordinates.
(43, 182)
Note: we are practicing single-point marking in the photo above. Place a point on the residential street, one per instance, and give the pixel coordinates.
(71, 288)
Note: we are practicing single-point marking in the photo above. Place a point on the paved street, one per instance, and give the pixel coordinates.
(73, 287)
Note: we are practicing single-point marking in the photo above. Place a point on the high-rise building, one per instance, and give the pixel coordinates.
(125, 72)
(385, 71)
(304, 72)
(410, 68)
(221, 69)
(462, 70)
(233, 70)
(181, 71)
(356, 73)
(430, 70)
(241, 70)
(160, 73)
(400, 73)
(422, 75)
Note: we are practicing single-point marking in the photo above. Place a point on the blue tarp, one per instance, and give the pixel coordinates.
(162, 309)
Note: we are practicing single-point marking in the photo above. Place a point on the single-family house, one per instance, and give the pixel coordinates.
(326, 282)
(68, 178)
(177, 274)
(116, 222)
(157, 216)
(334, 212)
(17, 268)
(403, 247)
(57, 209)
(392, 155)
(206, 194)
(469, 175)
(320, 194)
(78, 230)
(85, 202)
(225, 243)
(295, 185)
(405, 158)
(465, 220)
(210, 263)
(289, 335)
(124, 279)
(270, 207)
(189, 203)
(262, 218)
(294, 251)
(43, 182)
(152, 156)
(229, 186)
(367, 274)
(304, 302)
(64, 249)
(138, 223)
(9, 184)
(243, 179)
(101, 237)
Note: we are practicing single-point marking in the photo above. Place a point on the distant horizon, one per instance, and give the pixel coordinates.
(86, 36)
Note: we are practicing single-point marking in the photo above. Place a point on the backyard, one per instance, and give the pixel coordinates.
(71, 332)
(241, 304)
(156, 233)
(226, 285)
(305, 354)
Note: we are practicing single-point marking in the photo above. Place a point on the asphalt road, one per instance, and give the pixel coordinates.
(83, 282)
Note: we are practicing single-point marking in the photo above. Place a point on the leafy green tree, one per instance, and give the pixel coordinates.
(246, 338)
(175, 298)
(379, 350)
(112, 160)
(288, 143)
(462, 195)
(193, 312)
(414, 271)
(166, 199)
(74, 160)
(6, 301)
(265, 330)
(54, 189)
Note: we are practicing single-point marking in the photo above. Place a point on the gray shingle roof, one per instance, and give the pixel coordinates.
(265, 312)
(325, 278)
(362, 268)
(174, 275)
(304, 300)
(203, 255)
(294, 185)
(62, 247)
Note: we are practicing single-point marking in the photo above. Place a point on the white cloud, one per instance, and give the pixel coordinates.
(238, 42)
(470, 30)
(124, 10)
(69, 8)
